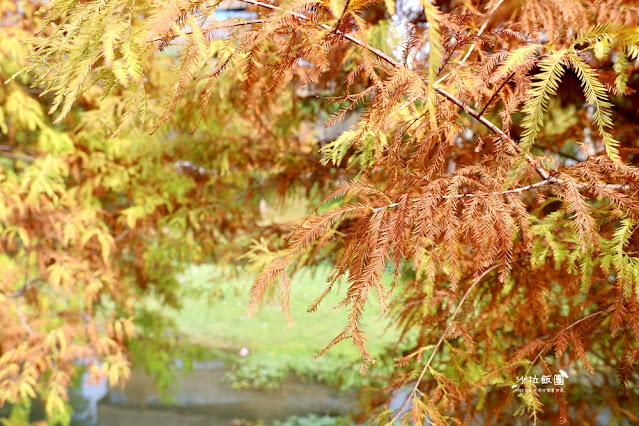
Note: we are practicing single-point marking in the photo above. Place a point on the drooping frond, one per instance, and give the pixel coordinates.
(543, 87)
(596, 96)
(434, 56)
(593, 34)
(583, 221)
(191, 58)
(514, 60)
(354, 187)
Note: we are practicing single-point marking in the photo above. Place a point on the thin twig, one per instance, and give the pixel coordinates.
(14, 156)
(480, 32)
(479, 194)
(545, 348)
(8, 152)
(121, 236)
(23, 319)
(565, 29)
(441, 339)
(339, 21)
(20, 292)
(545, 182)
(221, 27)
(501, 86)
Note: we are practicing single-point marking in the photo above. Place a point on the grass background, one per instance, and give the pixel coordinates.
(214, 315)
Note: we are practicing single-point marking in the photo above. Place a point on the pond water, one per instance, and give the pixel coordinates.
(203, 396)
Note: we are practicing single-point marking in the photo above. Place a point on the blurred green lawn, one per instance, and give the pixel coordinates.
(215, 301)
(214, 314)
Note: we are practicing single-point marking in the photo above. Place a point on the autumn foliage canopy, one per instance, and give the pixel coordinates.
(486, 196)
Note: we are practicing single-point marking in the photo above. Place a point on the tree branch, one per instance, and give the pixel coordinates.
(23, 318)
(545, 175)
(215, 28)
(545, 348)
(501, 86)
(8, 152)
(478, 194)
(20, 292)
(480, 32)
(441, 339)
(449, 96)
(339, 21)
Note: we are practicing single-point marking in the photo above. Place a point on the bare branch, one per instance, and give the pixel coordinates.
(8, 152)
(20, 292)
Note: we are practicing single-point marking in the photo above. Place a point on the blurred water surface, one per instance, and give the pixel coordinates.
(204, 396)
